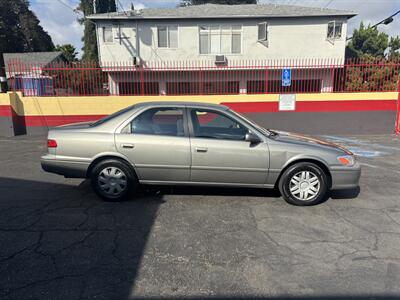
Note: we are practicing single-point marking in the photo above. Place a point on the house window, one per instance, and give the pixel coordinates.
(236, 39)
(263, 31)
(204, 40)
(220, 39)
(334, 30)
(167, 36)
(108, 34)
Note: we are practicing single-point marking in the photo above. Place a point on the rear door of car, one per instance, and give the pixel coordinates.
(157, 143)
(220, 153)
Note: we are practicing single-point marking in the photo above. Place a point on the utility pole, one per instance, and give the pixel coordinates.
(94, 6)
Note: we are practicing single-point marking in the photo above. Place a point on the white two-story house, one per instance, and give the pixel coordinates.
(214, 37)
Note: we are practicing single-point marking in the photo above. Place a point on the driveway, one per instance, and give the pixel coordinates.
(59, 241)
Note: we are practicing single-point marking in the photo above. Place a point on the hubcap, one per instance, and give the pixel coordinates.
(304, 185)
(112, 181)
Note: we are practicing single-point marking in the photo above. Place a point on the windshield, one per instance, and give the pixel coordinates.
(109, 117)
(243, 118)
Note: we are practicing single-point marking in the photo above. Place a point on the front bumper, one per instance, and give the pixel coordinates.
(69, 169)
(345, 177)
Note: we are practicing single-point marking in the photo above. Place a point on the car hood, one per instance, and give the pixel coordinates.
(295, 138)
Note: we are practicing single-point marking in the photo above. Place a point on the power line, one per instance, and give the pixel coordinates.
(74, 10)
(385, 21)
(122, 7)
(120, 4)
(329, 3)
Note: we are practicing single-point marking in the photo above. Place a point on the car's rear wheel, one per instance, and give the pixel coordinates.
(113, 180)
(304, 184)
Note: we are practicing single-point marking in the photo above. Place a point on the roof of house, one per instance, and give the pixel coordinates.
(210, 11)
(29, 60)
(32, 57)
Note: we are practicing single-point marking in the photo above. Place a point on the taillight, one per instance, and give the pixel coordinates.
(51, 144)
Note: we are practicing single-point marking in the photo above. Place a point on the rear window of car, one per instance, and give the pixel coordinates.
(112, 116)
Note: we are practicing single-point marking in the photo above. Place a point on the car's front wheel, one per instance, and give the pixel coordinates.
(304, 184)
(113, 180)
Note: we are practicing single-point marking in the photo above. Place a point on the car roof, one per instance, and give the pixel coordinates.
(181, 103)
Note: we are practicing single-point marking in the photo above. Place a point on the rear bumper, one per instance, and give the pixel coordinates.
(345, 177)
(69, 169)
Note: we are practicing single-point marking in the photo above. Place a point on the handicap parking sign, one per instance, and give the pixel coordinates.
(286, 77)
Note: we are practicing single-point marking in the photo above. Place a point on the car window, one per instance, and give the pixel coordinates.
(159, 121)
(112, 116)
(215, 125)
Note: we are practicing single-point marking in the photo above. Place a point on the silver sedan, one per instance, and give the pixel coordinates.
(181, 143)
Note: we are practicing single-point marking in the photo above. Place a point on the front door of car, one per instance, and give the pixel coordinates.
(220, 153)
(157, 143)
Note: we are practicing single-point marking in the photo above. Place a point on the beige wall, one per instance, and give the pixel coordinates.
(296, 38)
(104, 105)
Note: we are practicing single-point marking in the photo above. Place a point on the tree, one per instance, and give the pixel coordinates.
(394, 47)
(376, 52)
(368, 42)
(230, 2)
(20, 30)
(69, 52)
(89, 37)
(34, 36)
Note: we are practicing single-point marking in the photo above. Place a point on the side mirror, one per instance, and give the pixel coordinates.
(252, 138)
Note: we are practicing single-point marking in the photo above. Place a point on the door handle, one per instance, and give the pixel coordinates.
(127, 146)
(201, 149)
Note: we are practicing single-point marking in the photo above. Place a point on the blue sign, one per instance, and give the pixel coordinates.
(286, 77)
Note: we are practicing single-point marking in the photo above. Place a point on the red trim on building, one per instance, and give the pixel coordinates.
(317, 106)
(253, 106)
(51, 121)
(5, 111)
(245, 107)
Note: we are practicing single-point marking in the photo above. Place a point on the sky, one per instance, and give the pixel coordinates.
(60, 21)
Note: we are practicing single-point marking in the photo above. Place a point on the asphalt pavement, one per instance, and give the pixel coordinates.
(59, 241)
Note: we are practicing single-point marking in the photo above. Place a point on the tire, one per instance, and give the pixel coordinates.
(304, 184)
(113, 180)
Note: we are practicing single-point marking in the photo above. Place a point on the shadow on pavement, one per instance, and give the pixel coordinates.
(346, 194)
(305, 297)
(232, 191)
(58, 240)
(210, 191)
(283, 297)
